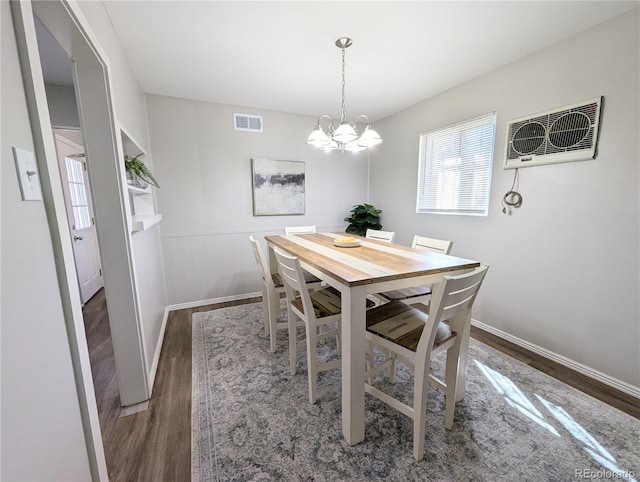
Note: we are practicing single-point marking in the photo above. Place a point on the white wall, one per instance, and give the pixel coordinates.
(204, 168)
(62, 106)
(41, 437)
(564, 267)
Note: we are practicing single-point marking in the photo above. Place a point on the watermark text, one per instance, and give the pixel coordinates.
(604, 474)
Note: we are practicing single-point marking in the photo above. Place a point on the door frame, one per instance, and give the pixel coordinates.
(60, 138)
(103, 145)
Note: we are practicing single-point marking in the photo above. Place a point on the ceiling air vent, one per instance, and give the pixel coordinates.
(566, 134)
(246, 122)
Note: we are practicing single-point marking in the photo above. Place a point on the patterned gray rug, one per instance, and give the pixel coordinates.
(251, 420)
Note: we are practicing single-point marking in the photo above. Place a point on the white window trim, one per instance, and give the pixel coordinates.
(422, 194)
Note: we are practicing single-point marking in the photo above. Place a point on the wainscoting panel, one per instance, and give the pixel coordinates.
(202, 266)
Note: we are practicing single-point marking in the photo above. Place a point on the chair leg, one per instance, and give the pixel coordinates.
(419, 412)
(390, 372)
(266, 307)
(451, 380)
(312, 361)
(319, 329)
(462, 354)
(274, 311)
(369, 360)
(293, 342)
(393, 368)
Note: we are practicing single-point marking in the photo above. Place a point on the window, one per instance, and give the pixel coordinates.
(79, 198)
(454, 172)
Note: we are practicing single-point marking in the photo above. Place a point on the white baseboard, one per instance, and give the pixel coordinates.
(562, 360)
(180, 306)
(131, 409)
(212, 301)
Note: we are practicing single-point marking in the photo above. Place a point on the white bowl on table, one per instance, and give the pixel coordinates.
(346, 242)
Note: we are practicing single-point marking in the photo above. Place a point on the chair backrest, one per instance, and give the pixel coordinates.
(294, 281)
(300, 229)
(453, 298)
(267, 280)
(432, 244)
(387, 236)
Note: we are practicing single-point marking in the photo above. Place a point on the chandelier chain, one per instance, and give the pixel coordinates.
(343, 114)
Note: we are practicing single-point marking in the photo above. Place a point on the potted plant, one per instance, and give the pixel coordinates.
(363, 217)
(138, 174)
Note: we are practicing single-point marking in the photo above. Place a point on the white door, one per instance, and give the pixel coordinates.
(75, 185)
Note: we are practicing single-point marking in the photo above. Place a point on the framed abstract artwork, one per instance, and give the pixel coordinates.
(278, 187)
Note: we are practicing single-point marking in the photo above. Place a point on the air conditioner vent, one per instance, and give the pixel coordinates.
(570, 130)
(528, 138)
(246, 122)
(566, 134)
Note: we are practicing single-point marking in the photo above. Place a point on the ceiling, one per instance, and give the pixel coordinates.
(281, 55)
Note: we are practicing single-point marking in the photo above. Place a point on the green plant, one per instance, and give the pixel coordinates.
(140, 169)
(363, 217)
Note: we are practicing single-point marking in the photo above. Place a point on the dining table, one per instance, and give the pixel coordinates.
(357, 269)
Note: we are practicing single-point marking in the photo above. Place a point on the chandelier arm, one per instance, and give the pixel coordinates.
(330, 126)
(325, 116)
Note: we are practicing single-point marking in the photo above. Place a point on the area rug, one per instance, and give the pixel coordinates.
(251, 419)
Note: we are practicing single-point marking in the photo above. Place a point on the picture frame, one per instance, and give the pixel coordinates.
(278, 187)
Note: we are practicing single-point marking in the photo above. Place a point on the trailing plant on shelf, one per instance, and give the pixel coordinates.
(363, 217)
(136, 169)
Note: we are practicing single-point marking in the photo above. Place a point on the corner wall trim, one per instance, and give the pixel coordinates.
(156, 356)
(562, 360)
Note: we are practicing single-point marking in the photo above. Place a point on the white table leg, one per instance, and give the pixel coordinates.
(353, 363)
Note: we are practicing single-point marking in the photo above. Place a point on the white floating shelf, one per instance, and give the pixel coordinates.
(138, 190)
(141, 201)
(142, 222)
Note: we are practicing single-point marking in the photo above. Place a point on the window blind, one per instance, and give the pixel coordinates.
(454, 168)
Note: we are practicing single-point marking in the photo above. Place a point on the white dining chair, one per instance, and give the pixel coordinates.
(272, 287)
(303, 230)
(405, 334)
(387, 236)
(316, 309)
(300, 229)
(432, 244)
(419, 294)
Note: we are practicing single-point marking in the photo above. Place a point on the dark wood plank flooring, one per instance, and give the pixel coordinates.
(155, 445)
(620, 400)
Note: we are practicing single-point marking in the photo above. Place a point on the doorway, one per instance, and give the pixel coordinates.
(57, 70)
(78, 203)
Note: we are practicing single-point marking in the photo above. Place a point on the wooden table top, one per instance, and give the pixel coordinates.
(371, 262)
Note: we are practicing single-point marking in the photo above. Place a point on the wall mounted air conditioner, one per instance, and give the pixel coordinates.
(565, 134)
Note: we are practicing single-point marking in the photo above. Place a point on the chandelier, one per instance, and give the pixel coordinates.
(343, 135)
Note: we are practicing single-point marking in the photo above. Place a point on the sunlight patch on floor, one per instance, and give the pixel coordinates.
(514, 396)
(593, 447)
(518, 400)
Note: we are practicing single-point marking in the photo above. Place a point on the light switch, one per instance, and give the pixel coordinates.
(28, 176)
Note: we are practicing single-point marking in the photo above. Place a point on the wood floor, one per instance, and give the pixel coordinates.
(155, 445)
